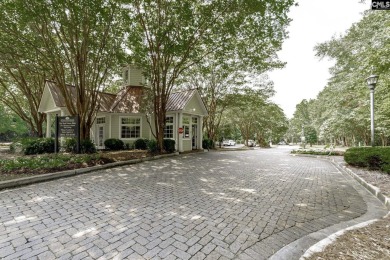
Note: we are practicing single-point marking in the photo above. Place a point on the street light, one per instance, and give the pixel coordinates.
(371, 81)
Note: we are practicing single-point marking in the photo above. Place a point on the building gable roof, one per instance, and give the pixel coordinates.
(178, 100)
(127, 100)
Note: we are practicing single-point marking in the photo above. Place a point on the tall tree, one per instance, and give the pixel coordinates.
(364, 49)
(11, 125)
(168, 37)
(77, 41)
(214, 80)
(21, 89)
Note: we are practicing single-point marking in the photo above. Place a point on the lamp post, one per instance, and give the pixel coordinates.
(371, 82)
(303, 139)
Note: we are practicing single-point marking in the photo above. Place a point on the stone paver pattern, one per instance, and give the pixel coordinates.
(216, 205)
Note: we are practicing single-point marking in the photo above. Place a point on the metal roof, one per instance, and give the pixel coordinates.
(127, 100)
(178, 100)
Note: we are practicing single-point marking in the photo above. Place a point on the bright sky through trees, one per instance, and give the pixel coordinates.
(313, 22)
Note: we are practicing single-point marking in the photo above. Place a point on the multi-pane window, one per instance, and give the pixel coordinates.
(168, 130)
(130, 127)
(194, 120)
(186, 127)
(100, 120)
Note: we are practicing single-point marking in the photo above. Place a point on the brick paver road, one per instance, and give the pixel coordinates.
(217, 205)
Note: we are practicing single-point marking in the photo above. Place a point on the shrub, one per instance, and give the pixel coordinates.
(70, 145)
(141, 144)
(169, 145)
(371, 157)
(152, 146)
(318, 152)
(114, 144)
(86, 146)
(38, 146)
(208, 144)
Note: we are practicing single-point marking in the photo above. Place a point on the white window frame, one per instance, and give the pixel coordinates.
(100, 117)
(170, 124)
(130, 125)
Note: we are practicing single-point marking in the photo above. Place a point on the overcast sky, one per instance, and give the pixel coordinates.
(313, 22)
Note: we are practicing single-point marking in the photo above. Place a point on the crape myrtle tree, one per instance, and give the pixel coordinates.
(21, 88)
(165, 38)
(77, 43)
(11, 125)
(214, 79)
(22, 77)
(255, 116)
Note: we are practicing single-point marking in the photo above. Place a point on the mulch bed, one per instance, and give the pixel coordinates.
(370, 242)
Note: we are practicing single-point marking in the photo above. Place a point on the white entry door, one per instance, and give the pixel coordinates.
(100, 136)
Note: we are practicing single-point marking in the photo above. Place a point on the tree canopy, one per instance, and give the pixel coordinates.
(341, 111)
(166, 38)
(76, 43)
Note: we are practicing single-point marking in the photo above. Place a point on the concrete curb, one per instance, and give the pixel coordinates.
(320, 246)
(371, 188)
(57, 175)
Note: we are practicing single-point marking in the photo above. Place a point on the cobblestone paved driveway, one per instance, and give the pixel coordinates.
(216, 205)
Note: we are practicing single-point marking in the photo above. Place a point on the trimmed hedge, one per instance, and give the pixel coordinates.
(169, 145)
(152, 146)
(33, 146)
(376, 158)
(86, 146)
(318, 152)
(141, 144)
(114, 144)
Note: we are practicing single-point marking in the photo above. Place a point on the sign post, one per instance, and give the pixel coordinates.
(67, 126)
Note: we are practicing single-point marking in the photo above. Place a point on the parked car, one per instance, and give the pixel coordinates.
(251, 143)
(282, 143)
(229, 143)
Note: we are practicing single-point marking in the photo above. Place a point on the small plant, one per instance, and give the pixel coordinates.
(70, 145)
(152, 146)
(16, 147)
(128, 146)
(169, 145)
(208, 144)
(141, 144)
(114, 144)
(87, 146)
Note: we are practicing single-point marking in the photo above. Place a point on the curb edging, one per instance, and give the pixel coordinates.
(70, 173)
(371, 188)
